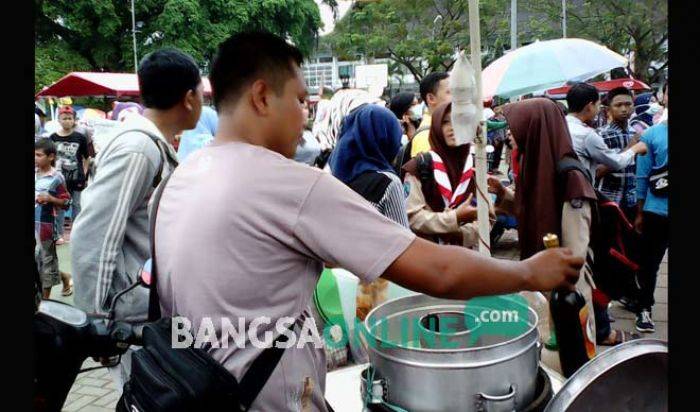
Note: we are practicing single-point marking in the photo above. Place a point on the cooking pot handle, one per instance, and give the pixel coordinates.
(492, 403)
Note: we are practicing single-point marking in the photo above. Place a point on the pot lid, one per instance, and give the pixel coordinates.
(630, 377)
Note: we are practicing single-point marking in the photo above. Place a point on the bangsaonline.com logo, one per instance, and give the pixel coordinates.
(505, 316)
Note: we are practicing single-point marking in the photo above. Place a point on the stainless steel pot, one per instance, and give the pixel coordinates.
(461, 373)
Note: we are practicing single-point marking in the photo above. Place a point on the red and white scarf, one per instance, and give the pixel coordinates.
(452, 198)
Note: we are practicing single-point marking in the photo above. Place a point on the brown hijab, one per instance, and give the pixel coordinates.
(453, 157)
(542, 135)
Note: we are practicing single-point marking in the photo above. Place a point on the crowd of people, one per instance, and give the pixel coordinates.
(260, 197)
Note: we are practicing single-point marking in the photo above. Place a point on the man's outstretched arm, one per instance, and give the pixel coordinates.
(454, 272)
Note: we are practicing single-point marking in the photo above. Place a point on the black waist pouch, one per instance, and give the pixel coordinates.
(167, 379)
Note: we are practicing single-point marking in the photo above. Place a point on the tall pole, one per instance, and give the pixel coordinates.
(513, 24)
(133, 33)
(483, 198)
(563, 14)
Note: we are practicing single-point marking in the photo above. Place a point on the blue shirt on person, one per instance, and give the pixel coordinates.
(202, 135)
(656, 139)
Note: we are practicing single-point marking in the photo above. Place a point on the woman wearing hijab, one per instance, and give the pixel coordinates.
(326, 128)
(546, 202)
(370, 139)
(441, 187)
(645, 107)
(405, 107)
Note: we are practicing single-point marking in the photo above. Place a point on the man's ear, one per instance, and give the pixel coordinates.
(189, 99)
(430, 99)
(259, 97)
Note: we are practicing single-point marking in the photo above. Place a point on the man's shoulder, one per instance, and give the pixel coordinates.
(133, 141)
(656, 129)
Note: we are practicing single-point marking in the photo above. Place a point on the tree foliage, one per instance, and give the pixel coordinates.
(404, 30)
(624, 26)
(420, 35)
(99, 32)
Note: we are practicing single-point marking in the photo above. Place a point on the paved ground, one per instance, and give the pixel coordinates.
(94, 391)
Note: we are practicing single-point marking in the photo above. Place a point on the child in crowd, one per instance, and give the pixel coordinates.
(73, 159)
(50, 195)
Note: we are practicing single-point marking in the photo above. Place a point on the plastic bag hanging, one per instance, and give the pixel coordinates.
(464, 100)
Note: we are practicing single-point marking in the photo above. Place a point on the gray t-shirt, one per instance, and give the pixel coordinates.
(243, 232)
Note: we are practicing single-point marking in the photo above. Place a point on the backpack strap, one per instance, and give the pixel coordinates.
(425, 169)
(153, 300)
(165, 154)
(263, 366)
(402, 157)
(568, 164)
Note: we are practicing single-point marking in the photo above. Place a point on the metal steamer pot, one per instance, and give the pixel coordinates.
(464, 371)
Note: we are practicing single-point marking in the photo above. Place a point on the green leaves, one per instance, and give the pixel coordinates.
(99, 31)
(621, 25)
(411, 33)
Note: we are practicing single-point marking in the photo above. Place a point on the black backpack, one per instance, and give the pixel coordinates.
(613, 242)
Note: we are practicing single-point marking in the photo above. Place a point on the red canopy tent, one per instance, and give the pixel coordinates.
(79, 84)
(603, 87)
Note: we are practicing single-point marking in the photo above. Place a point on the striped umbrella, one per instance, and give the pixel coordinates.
(546, 64)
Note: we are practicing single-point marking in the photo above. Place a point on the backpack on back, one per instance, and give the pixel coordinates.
(612, 241)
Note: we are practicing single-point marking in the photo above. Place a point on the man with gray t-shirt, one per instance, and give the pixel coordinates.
(243, 231)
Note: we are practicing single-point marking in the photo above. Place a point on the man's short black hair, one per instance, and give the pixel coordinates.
(618, 91)
(579, 95)
(430, 84)
(248, 56)
(46, 145)
(165, 77)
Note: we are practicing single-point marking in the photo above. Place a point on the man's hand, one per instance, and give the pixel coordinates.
(466, 213)
(44, 198)
(638, 222)
(640, 148)
(601, 171)
(635, 139)
(555, 268)
(495, 186)
(409, 127)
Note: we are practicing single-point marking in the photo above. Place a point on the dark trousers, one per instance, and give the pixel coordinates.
(602, 322)
(654, 242)
(496, 155)
(632, 243)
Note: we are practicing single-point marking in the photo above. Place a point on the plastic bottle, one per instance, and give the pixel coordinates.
(464, 104)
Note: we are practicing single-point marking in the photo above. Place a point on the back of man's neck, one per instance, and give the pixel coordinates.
(166, 127)
(580, 117)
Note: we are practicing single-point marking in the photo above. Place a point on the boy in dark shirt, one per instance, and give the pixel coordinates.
(72, 160)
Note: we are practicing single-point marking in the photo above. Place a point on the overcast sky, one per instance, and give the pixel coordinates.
(327, 14)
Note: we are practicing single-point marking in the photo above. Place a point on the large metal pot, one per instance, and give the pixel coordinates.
(491, 373)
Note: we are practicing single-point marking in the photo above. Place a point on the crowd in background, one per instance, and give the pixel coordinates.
(401, 156)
